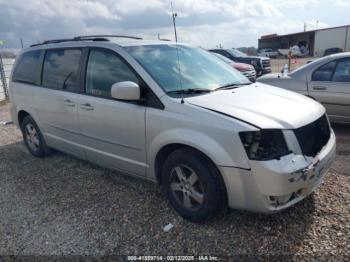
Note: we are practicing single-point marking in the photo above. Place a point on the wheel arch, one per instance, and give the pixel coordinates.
(166, 150)
(21, 115)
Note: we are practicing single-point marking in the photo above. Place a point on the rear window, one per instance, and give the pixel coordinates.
(27, 67)
(61, 69)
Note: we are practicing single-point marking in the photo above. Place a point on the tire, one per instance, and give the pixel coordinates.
(33, 138)
(193, 185)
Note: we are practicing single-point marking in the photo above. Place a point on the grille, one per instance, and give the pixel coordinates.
(266, 63)
(313, 137)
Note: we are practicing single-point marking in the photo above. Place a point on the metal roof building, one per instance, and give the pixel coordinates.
(317, 41)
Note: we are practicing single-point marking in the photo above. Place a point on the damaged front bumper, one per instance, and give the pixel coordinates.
(274, 185)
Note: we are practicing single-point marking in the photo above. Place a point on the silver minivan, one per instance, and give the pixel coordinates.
(176, 115)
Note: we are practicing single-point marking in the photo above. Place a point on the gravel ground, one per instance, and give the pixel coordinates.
(64, 206)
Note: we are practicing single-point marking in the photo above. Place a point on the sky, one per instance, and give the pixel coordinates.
(206, 23)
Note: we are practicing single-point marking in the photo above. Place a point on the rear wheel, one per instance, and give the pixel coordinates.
(193, 185)
(33, 138)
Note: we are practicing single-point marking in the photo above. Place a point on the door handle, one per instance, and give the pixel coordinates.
(68, 102)
(87, 107)
(319, 88)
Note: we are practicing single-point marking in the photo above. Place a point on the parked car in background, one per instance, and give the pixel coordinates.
(294, 51)
(246, 69)
(331, 51)
(268, 52)
(205, 133)
(262, 65)
(326, 80)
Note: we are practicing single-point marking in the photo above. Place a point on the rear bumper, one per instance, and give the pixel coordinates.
(271, 186)
(262, 71)
(266, 70)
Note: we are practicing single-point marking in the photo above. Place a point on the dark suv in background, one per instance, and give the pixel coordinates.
(262, 65)
(331, 51)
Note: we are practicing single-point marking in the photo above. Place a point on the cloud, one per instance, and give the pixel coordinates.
(202, 22)
(136, 7)
(342, 3)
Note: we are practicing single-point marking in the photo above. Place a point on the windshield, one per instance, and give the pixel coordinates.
(223, 58)
(183, 67)
(236, 52)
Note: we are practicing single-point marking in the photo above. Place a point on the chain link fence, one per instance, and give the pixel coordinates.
(277, 64)
(5, 71)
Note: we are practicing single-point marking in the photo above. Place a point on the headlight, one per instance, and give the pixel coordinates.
(266, 144)
(254, 62)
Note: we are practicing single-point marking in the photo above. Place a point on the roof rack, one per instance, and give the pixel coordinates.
(85, 38)
(103, 36)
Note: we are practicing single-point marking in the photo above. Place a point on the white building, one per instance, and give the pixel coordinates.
(317, 41)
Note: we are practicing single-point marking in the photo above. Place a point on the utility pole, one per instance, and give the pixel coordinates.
(174, 15)
(346, 37)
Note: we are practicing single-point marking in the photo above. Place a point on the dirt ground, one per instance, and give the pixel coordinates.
(60, 205)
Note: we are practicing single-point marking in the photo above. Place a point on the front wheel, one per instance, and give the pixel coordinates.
(193, 185)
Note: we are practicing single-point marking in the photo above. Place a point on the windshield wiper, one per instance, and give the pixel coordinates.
(189, 91)
(230, 86)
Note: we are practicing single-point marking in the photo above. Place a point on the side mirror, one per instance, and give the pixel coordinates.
(126, 90)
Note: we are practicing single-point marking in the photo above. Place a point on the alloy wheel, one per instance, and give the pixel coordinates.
(186, 187)
(32, 137)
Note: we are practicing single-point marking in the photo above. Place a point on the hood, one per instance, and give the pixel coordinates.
(262, 105)
(273, 76)
(256, 57)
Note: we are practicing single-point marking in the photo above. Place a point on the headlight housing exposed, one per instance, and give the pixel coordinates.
(266, 144)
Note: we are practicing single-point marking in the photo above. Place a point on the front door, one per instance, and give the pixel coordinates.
(330, 85)
(113, 131)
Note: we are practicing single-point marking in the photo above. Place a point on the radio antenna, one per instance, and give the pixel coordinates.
(174, 15)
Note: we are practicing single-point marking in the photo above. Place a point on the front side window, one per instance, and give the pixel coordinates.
(342, 71)
(324, 73)
(180, 67)
(105, 69)
(27, 67)
(61, 69)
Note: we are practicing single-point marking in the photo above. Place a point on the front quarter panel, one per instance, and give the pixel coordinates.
(211, 133)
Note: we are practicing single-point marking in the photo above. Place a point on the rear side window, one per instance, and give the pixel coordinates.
(61, 69)
(342, 72)
(105, 69)
(324, 73)
(27, 67)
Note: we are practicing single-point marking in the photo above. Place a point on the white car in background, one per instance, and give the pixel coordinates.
(268, 52)
(327, 80)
